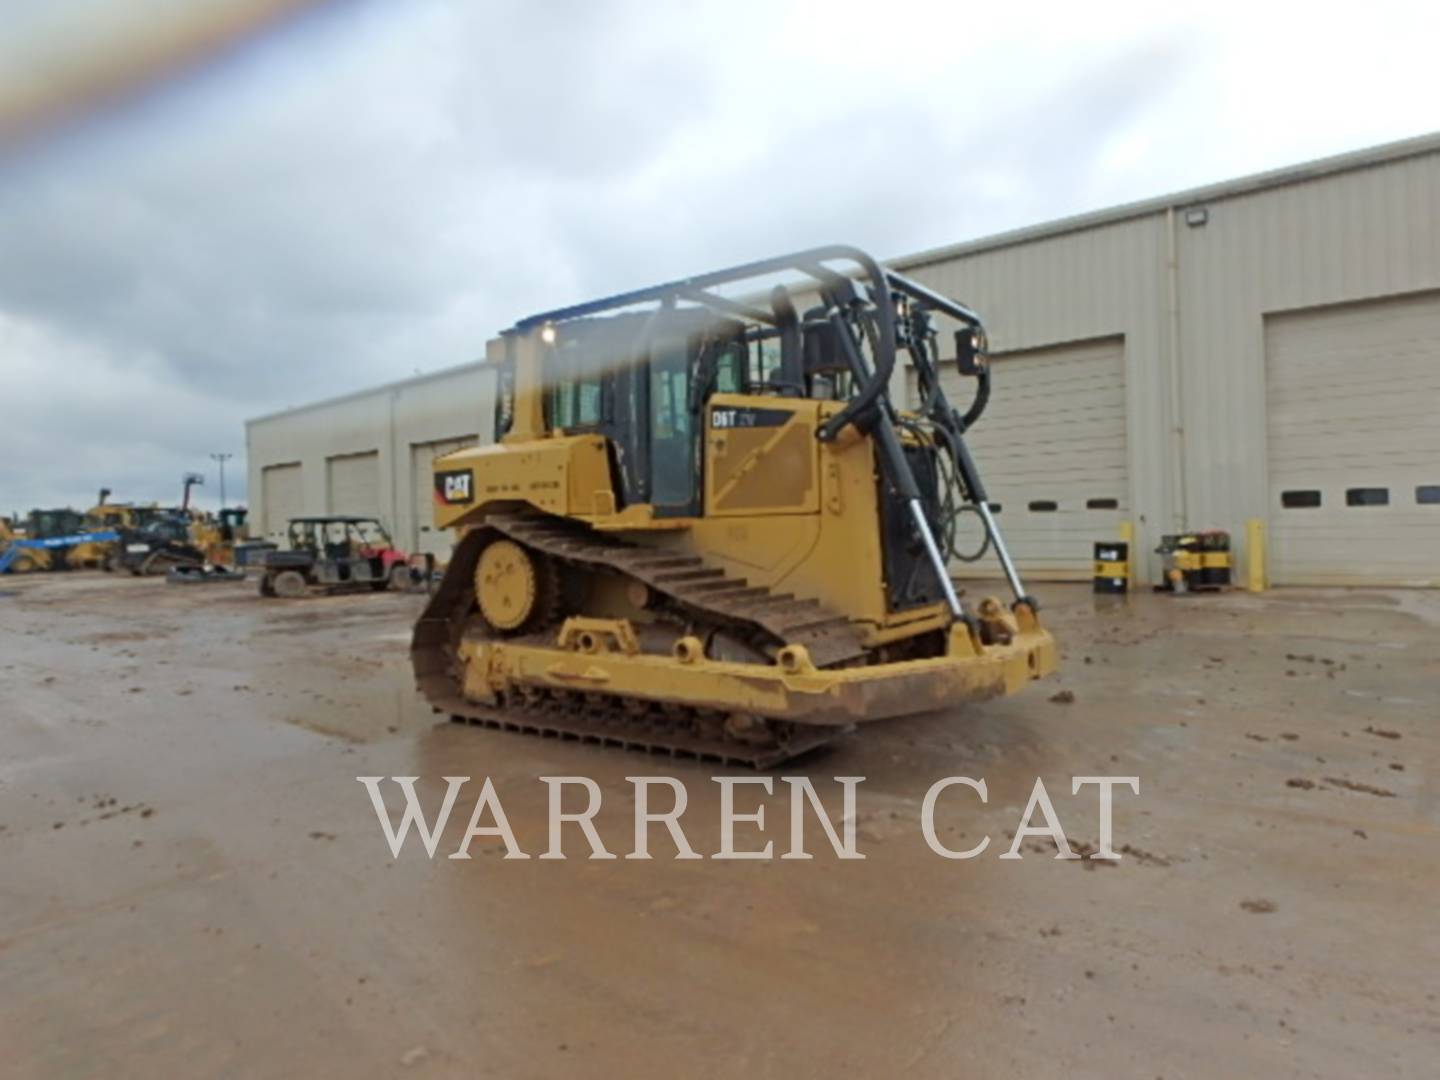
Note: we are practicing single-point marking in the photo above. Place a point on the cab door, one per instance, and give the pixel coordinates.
(673, 441)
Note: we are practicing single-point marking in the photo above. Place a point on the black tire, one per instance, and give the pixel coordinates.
(289, 584)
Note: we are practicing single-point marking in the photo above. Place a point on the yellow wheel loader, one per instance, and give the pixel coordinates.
(707, 529)
(40, 549)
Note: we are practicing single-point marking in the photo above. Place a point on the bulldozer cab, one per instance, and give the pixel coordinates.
(633, 381)
(232, 523)
(48, 524)
(644, 383)
(145, 516)
(172, 527)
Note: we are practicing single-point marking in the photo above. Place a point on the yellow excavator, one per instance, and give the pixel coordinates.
(707, 529)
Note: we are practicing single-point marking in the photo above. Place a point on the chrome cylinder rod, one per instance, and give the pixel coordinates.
(936, 559)
(1007, 564)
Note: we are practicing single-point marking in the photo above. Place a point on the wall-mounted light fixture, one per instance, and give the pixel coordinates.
(1196, 216)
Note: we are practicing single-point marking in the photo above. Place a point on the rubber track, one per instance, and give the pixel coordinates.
(606, 719)
(160, 562)
(707, 591)
(578, 716)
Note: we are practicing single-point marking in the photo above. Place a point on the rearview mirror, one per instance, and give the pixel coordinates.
(969, 357)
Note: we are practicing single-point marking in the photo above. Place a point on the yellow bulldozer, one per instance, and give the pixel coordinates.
(217, 534)
(707, 529)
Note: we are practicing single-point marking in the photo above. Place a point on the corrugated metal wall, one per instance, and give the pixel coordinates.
(1338, 237)
(385, 422)
(1351, 236)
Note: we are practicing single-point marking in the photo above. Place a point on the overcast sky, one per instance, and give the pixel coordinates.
(309, 202)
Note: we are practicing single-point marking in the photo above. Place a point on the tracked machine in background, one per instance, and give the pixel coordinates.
(155, 539)
(707, 529)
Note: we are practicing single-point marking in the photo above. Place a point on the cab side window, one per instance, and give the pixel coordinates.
(573, 398)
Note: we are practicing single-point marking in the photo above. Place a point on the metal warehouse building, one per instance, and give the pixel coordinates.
(368, 453)
(1264, 348)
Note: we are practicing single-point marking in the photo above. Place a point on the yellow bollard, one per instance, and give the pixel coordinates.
(1255, 554)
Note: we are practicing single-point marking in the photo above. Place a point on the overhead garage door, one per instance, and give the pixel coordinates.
(353, 484)
(1353, 406)
(427, 538)
(1051, 448)
(282, 498)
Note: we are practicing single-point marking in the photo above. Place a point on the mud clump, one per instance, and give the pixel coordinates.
(1063, 697)
(1355, 785)
(1147, 857)
(1382, 732)
(1258, 907)
(1085, 850)
(1300, 782)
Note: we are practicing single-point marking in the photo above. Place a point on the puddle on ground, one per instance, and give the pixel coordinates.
(382, 705)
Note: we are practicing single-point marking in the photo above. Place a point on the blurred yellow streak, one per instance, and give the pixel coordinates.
(73, 58)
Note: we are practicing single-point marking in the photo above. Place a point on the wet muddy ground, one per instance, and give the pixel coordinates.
(195, 884)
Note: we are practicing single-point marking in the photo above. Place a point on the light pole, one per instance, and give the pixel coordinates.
(221, 459)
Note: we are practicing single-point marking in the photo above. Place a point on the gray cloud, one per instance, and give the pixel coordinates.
(379, 189)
